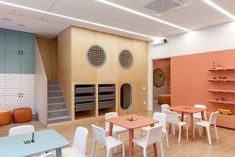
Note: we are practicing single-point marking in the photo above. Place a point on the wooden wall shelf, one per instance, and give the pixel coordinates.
(221, 102)
(221, 80)
(221, 91)
(223, 69)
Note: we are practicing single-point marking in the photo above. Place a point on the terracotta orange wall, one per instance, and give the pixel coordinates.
(189, 79)
(163, 64)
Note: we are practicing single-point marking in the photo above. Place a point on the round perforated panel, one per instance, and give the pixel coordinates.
(126, 59)
(96, 56)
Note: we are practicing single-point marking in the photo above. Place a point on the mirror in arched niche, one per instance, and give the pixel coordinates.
(126, 96)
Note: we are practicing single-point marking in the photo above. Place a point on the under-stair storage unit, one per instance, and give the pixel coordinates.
(85, 100)
(106, 98)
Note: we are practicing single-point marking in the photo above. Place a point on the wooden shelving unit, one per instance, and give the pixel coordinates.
(106, 98)
(221, 102)
(221, 80)
(221, 91)
(223, 69)
(223, 120)
(85, 101)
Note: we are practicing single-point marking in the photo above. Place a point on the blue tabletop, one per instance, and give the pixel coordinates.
(46, 140)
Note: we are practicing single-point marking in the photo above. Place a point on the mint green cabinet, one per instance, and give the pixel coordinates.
(12, 41)
(27, 63)
(2, 62)
(27, 42)
(2, 51)
(19, 52)
(2, 40)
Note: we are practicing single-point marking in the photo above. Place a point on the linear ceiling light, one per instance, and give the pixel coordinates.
(142, 14)
(218, 8)
(76, 19)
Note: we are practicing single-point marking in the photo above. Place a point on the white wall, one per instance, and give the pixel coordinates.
(40, 87)
(214, 38)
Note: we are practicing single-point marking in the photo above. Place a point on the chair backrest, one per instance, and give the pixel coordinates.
(99, 134)
(213, 118)
(80, 139)
(154, 134)
(172, 117)
(161, 117)
(200, 106)
(108, 116)
(165, 107)
(23, 129)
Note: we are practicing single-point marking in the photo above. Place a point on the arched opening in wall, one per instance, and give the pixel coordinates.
(126, 96)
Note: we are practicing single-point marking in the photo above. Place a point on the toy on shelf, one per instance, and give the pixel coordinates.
(224, 111)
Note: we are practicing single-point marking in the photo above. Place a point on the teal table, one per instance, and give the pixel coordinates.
(46, 140)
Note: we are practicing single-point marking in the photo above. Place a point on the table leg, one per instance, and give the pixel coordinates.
(192, 127)
(203, 118)
(182, 119)
(131, 145)
(154, 146)
(110, 129)
(58, 152)
(169, 131)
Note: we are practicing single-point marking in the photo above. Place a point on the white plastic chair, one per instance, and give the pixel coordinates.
(23, 129)
(198, 116)
(108, 142)
(50, 154)
(154, 135)
(117, 130)
(165, 107)
(207, 124)
(161, 117)
(172, 117)
(79, 144)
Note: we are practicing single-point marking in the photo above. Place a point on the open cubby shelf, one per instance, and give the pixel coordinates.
(106, 97)
(221, 91)
(85, 100)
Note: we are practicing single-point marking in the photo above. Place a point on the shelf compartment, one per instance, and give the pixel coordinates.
(85, 106)
(81, 99)
(106, 97)
(221, 102)
(85, 90)
(221, 91)
(104, 89)
(106, 104)
(221, 80)
(223, 69)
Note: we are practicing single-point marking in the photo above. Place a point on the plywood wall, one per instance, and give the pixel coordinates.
(48, 51)
(111, 71)
(64, 65)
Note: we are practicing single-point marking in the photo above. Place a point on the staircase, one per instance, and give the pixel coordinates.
(57, 109)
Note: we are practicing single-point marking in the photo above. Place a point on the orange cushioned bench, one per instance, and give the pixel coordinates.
(22, 115)
(5, 117)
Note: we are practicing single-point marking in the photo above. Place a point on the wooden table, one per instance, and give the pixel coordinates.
(45, 141)
(189, 110)
(138, 122)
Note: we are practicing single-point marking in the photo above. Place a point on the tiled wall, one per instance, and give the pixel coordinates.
(11, 87)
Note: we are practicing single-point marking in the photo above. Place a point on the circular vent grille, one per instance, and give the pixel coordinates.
(96, 56)
(126, 59)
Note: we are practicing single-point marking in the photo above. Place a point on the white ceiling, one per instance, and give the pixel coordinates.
(195, 15)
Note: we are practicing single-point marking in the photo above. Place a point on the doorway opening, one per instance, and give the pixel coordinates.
(161, 83)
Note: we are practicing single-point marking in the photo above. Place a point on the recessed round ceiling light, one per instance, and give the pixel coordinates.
(21, 25)
(6, 19)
